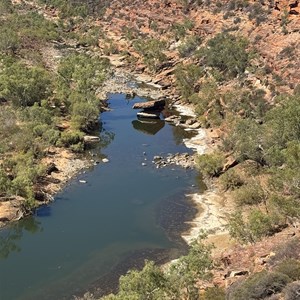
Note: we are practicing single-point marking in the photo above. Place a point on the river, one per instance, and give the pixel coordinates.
(127, 211)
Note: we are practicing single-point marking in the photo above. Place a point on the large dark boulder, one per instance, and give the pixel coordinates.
(150, 105)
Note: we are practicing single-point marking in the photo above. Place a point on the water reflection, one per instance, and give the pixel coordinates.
(148, 126)
(44, 211)
(11, 235)
(180, 133)
(106, 137)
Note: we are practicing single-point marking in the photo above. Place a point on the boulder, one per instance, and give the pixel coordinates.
(91, 138)
(149, 115)
(155, 104)
(195, 125)
(51, 168)
(173, 119)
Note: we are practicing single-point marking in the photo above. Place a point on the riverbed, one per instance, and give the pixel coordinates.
(108, 219)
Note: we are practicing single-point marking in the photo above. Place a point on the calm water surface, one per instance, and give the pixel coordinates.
(91, 228)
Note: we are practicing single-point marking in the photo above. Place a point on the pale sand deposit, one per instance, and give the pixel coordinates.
(212, 205)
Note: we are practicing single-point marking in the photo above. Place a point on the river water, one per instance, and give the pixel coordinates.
(126, 212)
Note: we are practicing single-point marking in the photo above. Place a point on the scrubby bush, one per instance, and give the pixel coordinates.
(250, 228)
(245, 140)
(213, 293)
(287, 250)
(151, 51)
(231, 180)
(24, 86)
(187, 77)
(249, 194)
(284, 207)
(69, 138)
(210, 164)
(227, 53)
(9, 40)
(81, 73)
(289, 267)
(260, 224)
(259, 286)
(84, 115)
(189, 46)
(292, 291)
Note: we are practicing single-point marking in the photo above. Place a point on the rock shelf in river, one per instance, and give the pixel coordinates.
(150, 105)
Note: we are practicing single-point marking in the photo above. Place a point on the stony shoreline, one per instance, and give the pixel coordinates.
(212, 205)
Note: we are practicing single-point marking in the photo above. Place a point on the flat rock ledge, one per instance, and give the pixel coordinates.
(150, 105)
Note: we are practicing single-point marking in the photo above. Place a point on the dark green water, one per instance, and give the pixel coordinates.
(93, 231)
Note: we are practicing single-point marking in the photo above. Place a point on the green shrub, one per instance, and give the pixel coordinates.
(80, 74)
(284, 206)
(207, 97)
(210, 164)
(249, 229)
(84, 115)
(9, 40)
(287, 250)
(245, 139)
(213, 293)
(239, 228)
(51, 136)
(151, 51)
(189, 46)
(187, 77)
(259, 286)
(69, 138)
(24, 86)
(289, 267)
(226, 53)
(249, 194)
(78, 148)
(260, 224)
(231, 180)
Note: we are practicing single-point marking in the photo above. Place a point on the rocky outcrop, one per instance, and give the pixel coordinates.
(184, 160)
(11, 209)
(91, 139)
(150, 105)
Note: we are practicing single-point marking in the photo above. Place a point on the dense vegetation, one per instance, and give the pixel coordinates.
(35, 99)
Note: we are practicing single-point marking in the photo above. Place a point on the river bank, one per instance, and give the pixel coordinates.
(210, 204)
(67, 163)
